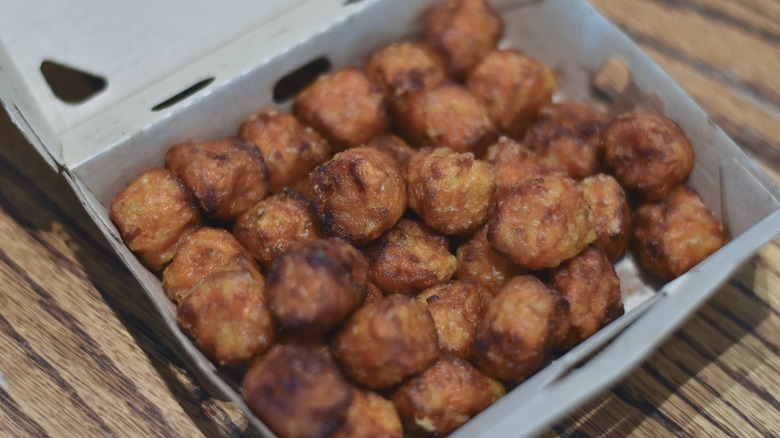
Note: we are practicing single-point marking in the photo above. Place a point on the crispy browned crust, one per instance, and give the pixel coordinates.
(567, 135)
(611, 213)
(444, 116)
(395, 146)
(404, 67)
(297, 391)
(456, 308)
(452, 192)
(519, 329)
(290, 149)
(153, 215)
(409, 258)
(478, 261)
(200, 254)
(383, 343)
(445, 396)
(314, 285)
(370, 416)
(463, 31)
(542, 222)
(269, 227)
(648, 153)
(675, 234)
(513, 163)
(512, 88)
(345, 107)
(590, 285)
(227, 315)
(358, 195)
(226, 176)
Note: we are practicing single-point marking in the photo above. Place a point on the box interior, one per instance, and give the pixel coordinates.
(104, 152)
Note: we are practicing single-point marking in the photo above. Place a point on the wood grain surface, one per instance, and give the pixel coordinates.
(82, 354)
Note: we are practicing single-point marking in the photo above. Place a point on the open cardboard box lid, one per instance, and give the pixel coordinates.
(150, 51)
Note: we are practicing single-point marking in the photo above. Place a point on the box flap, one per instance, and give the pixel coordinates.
(116, 48)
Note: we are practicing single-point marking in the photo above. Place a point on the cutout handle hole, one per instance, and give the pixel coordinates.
(292, 83)
(69, 84)
(187, 92)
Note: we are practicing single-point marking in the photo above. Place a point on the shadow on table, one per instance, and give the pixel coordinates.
(687, 357)
(116, 285)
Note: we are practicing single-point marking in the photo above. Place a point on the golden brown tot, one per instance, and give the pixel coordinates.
(227, 315)
(344, 107)
(290, 149)
(542, 222)
(513, 163)
(226, 176)
(358, 195)
(445, 396)
(314, 285)
(397, 148)
(370, 416)
(153, 215)
(297, 391)
(269, 227)
(611, 213)
(519, 329)
(478, 261)
(203, 252)
(452, 192)
(445, 116)
(383, 343)
(590, 285)
(648, 153)
(456, 308)
(673, 235)
(463, 31)
(405, 67)
(567, 135)
(512, 88)
(409, 258)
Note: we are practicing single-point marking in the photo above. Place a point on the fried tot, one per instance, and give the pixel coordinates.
(590, 285)
(673, 235)
(269, 227)
(648, 153)
(452, 192)
(226, 176)
(512, 88)
(203, 252)
(409, 258)
(227, 315)
(290, 149)
(521, 326)
(383, 343)
(567, 135)
(513, 163)
(153, 215)
(405, 67)
(456, 308)
(611, 212)
(444, 116)
(358, 195)
(445, 396)
(542, 222)
(297, 391)
(313, 286)
(390, 144)
(345, 107)
(463, 31)
(370, 416)
(478, 261)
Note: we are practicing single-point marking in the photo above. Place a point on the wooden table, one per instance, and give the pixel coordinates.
(81, 355)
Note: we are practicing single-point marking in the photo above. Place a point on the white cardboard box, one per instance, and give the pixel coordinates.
(149, 51)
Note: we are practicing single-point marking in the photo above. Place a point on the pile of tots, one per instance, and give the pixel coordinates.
(420, 234)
